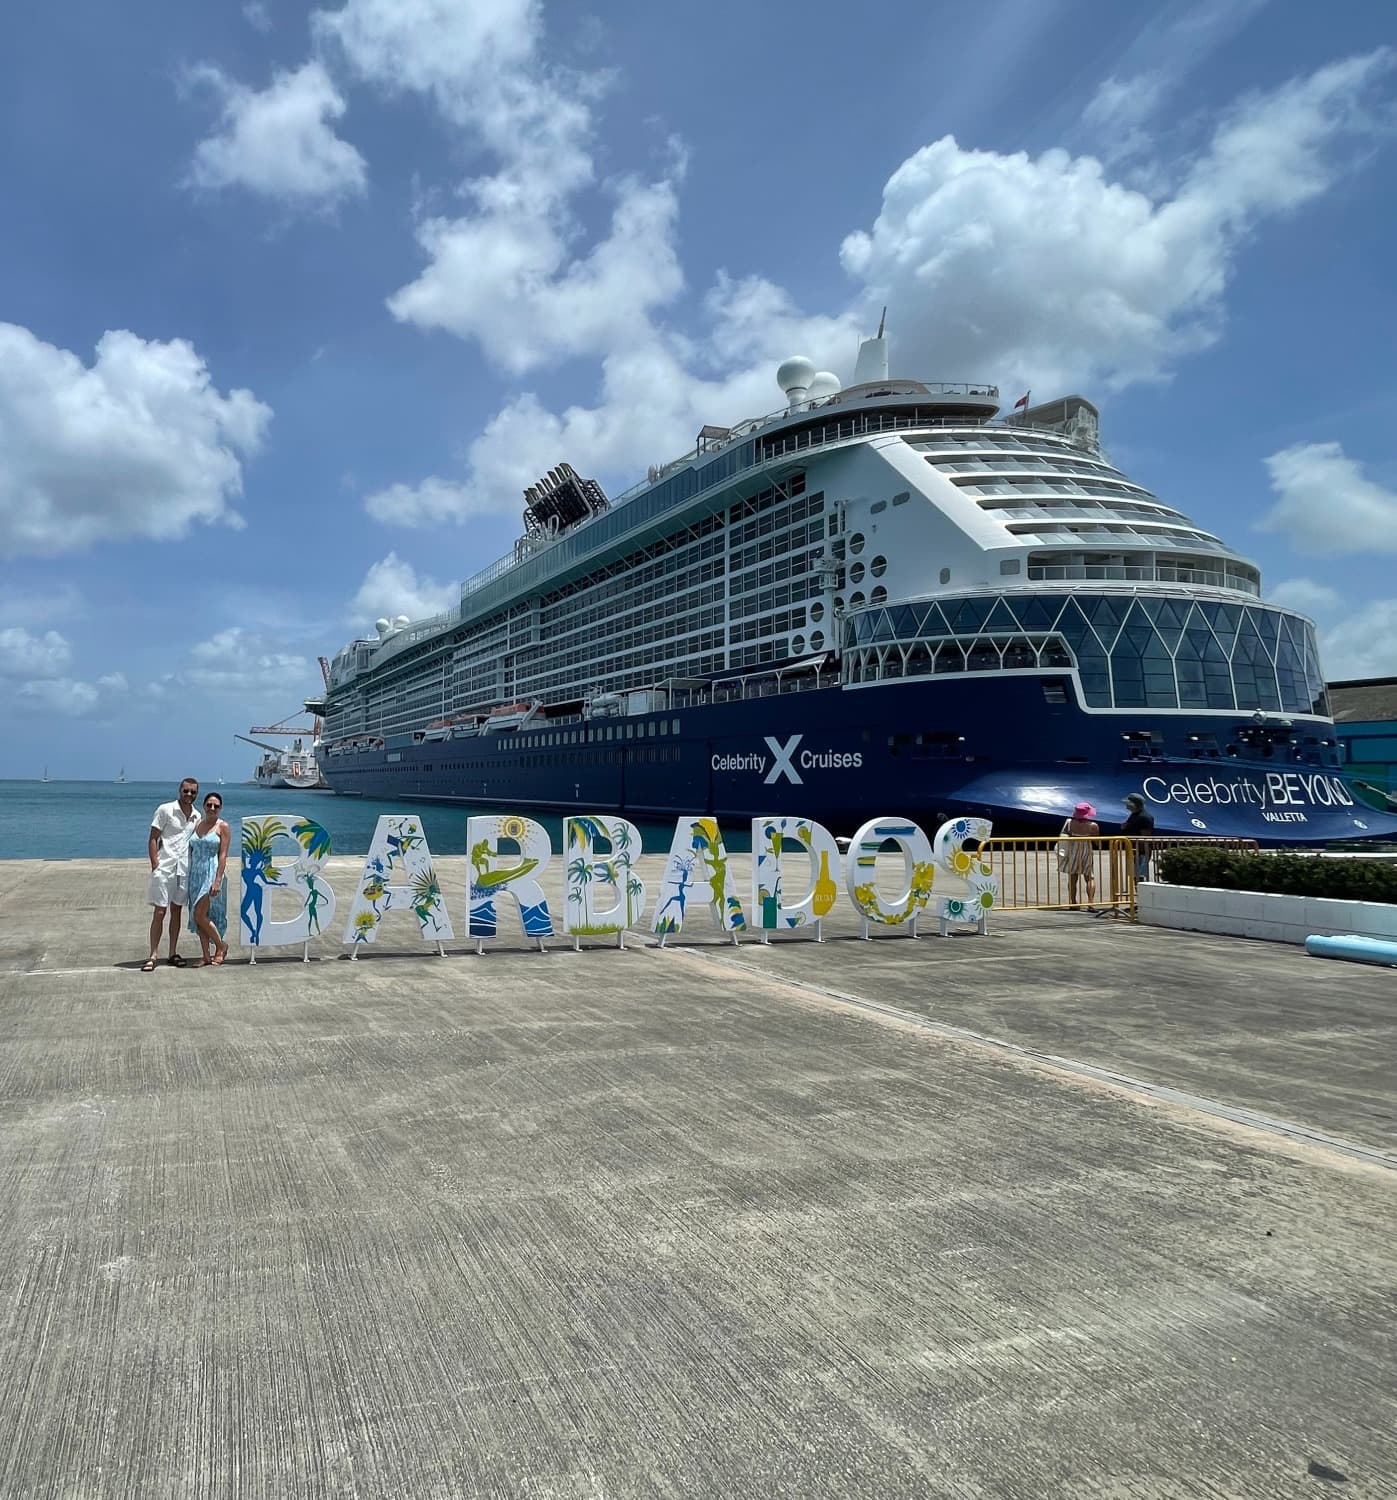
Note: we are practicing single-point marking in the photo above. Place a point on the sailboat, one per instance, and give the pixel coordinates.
(121, 777)
(45, 776)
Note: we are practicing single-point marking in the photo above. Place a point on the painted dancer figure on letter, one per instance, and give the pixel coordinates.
(258, 870)
(684, 870)
(313, 899)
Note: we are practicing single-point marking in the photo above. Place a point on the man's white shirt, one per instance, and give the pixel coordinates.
(174, 830)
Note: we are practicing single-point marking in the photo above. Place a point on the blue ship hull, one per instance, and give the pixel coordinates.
(923, 750)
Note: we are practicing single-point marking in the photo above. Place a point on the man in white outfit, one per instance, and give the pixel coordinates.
(168, 847)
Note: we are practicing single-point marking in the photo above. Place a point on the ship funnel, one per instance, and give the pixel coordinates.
(873, 356)
(794, 377)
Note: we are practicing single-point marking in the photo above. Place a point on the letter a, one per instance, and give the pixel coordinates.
(697, 862)
(398, 876)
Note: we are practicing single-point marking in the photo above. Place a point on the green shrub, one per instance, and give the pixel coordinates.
(1281, 874)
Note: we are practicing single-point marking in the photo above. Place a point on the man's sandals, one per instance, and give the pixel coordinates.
(176, 961)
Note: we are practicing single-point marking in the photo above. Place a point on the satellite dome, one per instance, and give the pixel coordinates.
(794, 377)
(401, 622)
(383, 626)
(822, 383)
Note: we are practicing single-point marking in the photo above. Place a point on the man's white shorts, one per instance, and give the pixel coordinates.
(167, 888)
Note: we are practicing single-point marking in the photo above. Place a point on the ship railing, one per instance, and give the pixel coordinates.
(1097, 875)
(413, 635)
(767, 682)
(1195, 577)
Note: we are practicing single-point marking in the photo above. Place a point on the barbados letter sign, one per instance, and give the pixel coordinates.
(603, 893)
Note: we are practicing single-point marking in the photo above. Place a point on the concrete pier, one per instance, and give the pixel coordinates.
(1074, 1208)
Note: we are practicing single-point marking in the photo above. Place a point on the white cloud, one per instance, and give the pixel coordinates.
(39, 605)
(515, 272)
(280, 142)
(525, 439)
(1304, 594)
(1118, 108)
(1039, 271)
(256, 14)
(1045, 270)
(69, 696)
(1326, 504)
(426, 503)
(1172, 43)
(43, 661)
(1363, 643)
(23, 654)
(1355, 639)
(140, 444)
(60, 695)
(480, 65)
(391, 587)
(505, 277)
(239, 662)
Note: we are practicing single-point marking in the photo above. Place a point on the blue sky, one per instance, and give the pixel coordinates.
(294, 300)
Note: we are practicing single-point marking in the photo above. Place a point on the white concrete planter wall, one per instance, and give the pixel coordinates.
(1258, 914)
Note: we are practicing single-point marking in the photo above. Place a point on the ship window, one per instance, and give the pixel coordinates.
(1009, 565)
(674, 726)
(945, 575)
(856, 573)
(798, 645)
(878, 566)
(664, 726)
(630, 731)
(817, 613)
(878, 505)
(879, 595)
(817, 640)
(856, 601)
(902, 497)
(856, 543)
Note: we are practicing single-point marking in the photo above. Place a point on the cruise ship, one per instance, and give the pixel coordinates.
(888, 598)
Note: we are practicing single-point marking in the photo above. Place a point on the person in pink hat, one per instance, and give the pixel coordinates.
(1078, 859)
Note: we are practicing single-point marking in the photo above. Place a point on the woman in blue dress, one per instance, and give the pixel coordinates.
(208, 898)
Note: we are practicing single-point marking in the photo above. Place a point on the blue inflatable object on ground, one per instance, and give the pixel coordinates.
(1362, 950)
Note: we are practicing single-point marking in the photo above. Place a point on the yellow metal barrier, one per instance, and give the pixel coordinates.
(1075, 874)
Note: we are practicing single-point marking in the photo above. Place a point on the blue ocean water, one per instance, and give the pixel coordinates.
(107, 820)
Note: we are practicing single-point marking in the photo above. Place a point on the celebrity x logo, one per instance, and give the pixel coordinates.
(782, 766)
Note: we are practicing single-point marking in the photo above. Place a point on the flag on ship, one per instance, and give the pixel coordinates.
(1022, 401)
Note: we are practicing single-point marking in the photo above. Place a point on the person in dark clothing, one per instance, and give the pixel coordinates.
(1138, 825)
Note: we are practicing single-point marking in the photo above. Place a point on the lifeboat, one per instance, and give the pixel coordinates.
(509, 716)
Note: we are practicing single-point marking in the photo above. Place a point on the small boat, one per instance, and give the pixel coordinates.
(45, 776)
(121, 777)
(510, 716)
